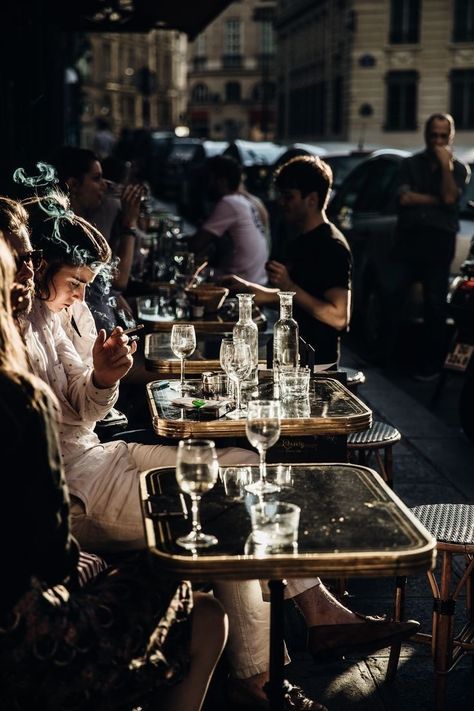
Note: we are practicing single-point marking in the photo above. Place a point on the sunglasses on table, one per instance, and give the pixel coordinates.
(33, 257)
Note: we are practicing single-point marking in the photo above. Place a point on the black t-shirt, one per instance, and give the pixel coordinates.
(320, 260)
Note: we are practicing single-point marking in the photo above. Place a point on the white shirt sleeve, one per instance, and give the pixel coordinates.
(222, 218)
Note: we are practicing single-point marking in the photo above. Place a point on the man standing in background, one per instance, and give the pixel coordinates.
(431, 184)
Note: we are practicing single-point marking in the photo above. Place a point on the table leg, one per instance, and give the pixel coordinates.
(277, 653)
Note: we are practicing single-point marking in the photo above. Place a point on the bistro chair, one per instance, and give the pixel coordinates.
(377, 440)
(453, 527)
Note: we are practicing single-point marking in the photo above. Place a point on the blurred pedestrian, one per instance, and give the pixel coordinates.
(431, 183)
(104, 141)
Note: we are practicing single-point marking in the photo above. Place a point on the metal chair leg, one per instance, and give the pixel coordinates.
(399, 614)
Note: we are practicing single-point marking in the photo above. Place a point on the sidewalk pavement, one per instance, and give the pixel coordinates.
(433, 463)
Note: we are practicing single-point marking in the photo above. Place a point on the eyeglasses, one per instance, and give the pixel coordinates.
(435, 134)
(34, 257)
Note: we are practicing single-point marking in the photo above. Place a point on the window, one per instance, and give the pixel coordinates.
(232, 92)
(232, 37)
(462, 98)
(404, 21)
(401, 101)
(107, 59)
(267, 37)
(200, 46)
(200, 94)
(463, 21)
(307, 109)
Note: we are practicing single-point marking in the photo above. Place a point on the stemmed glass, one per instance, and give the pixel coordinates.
(183, 343)
(197, 468)
(262, 429)
(237, 363)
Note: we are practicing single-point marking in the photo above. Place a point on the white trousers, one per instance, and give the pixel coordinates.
(102, 529)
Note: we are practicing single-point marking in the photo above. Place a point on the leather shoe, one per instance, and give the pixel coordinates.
(240, 694)
(325, 641)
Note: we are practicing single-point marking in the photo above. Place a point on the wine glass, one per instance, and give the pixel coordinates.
(226, 343)
(196, 472)
(262, 429)
(237, 362)
(183, 343)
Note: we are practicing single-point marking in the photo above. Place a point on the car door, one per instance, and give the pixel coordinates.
(364, 209)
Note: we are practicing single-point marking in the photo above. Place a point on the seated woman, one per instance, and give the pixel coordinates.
(127, 637)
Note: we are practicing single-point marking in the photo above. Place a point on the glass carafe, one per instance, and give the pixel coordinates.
(245, 329)
(285, 336)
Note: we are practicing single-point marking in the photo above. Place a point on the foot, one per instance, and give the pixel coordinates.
(373, 634)
(242, 693)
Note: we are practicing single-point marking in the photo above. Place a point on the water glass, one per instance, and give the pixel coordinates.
(275, 524)
(235, 480)
(294, 383)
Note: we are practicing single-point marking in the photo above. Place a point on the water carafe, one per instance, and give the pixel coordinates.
(285, 335)
(246, 330)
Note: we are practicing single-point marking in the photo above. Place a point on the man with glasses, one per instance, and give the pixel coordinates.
(431, 184)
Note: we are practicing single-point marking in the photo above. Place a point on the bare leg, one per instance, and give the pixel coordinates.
(209, 634)
(319, 607)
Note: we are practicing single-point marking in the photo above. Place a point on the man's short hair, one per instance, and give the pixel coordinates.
(440, 117)
(308, 174)
(226, 167)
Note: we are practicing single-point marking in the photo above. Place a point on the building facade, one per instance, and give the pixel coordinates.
(133, 80)
(371, 71)
(231, 74)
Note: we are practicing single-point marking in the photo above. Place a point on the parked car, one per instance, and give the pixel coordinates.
(257, 159)
(182, 152)
(365, 209)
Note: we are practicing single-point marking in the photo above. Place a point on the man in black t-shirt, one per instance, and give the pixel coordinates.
(318, 266)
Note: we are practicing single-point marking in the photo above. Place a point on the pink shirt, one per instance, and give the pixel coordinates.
(245, 250)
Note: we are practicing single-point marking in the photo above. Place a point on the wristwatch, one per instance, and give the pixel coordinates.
(129, 231)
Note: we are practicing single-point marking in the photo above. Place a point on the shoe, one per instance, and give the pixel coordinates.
(372, 634)
(239, 694)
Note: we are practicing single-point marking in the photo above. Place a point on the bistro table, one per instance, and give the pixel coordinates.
(209, 323)
(160, 358)
(314, 429)
(351, 523)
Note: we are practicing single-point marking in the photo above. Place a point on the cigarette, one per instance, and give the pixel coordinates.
(133, 329)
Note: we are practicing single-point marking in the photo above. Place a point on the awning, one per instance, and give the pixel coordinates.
(186, 16)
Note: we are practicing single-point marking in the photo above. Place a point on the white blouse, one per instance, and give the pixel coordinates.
(55, 360)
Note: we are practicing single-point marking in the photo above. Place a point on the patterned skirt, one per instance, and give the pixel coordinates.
(114, 644)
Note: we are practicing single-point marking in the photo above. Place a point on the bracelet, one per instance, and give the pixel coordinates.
(129, 231)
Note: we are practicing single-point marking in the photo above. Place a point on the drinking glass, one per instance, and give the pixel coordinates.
(197, 469)
(262, 429)
(183, 343)
(237, 363)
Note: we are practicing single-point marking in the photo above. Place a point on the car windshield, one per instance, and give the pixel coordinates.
(342, 165)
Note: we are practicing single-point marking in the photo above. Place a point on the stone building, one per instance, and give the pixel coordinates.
(373, 70)
(134, 80)
(231, 74)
